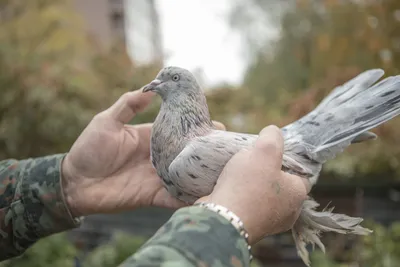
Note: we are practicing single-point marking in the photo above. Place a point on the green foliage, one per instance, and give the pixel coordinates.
(380, 249)
(54, 251)
(58, 251)
(53, 78)
(321, 44)
(321, 260)
(113, 254)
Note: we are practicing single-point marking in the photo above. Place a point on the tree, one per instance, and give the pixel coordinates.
(320, 45)
(53, 78)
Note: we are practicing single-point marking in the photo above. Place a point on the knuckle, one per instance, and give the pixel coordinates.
(297, 188)
(268, 145)
(302, 190)
(271, 148)
(136, 106)
(298, 198)
(125, 97)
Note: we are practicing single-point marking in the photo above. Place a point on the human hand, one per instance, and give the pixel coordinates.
(253, 186)
(108, 168)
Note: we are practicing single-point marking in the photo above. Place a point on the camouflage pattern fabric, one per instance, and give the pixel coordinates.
(31, 203)
(193, 237)
(32, 207)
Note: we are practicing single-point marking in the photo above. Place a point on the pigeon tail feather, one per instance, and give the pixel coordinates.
(359, 113)
(312, 223)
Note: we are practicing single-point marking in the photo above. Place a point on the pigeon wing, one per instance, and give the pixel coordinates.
(196, 169)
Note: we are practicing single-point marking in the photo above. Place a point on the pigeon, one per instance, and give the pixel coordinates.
(189, 153)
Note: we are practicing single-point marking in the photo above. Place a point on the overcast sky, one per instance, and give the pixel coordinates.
(195, 35)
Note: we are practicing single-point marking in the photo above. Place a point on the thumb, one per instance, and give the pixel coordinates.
(128, 105)
(269, 145)
(219, 126)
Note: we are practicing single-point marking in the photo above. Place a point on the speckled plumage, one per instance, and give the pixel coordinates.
(189, 153)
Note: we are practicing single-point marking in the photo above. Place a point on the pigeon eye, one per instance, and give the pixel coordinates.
(175, 78)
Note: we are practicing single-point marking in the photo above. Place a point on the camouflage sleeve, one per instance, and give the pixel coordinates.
(194, 236)
(31, 203)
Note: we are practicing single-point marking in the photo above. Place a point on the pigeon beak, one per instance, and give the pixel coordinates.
(151, 86)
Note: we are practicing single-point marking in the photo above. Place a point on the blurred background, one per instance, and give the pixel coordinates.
(260, 62)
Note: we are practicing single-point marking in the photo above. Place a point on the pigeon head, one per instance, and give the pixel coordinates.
(173, 81)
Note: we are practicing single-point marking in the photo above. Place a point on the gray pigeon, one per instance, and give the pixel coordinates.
(189, 153)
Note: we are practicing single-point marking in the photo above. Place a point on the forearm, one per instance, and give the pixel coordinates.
(31, 203)
(193, 236)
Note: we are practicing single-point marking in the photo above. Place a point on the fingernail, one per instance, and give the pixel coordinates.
(219, 125)
(268, 129)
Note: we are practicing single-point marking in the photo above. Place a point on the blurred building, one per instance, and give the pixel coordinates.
(133, 22)
(104, 19)
(143, 31)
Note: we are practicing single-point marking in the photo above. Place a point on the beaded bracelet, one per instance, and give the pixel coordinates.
(232, 218)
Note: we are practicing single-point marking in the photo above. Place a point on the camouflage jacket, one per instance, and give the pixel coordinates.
(32, 207)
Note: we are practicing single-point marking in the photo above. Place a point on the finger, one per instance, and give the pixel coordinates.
(128, 105)
(144, 133)
(304, 181)
(307, 184)
(219, 125)
(270, 145)
(164, 199)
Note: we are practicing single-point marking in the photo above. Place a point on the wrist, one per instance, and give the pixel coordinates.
(69, 189)
(235, 221)
(247, 219)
